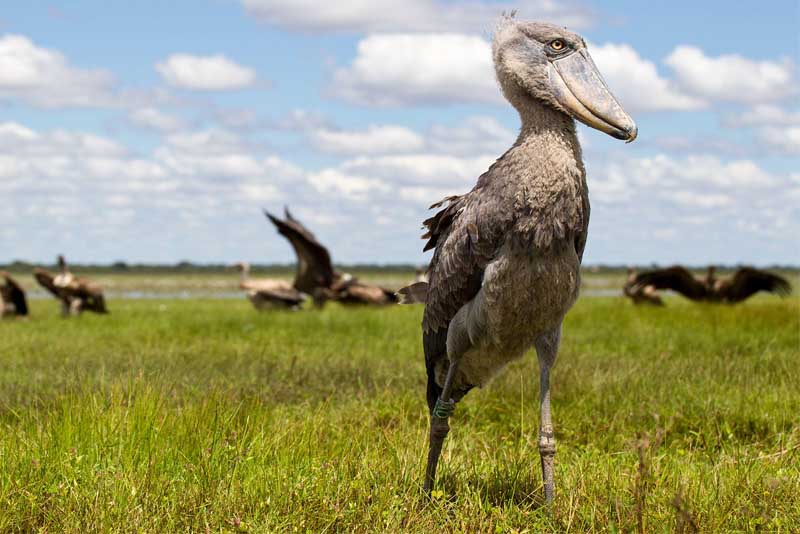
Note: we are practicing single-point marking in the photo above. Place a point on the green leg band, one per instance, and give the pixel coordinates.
(443, 409)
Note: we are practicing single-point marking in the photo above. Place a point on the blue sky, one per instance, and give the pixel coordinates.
(156, 131)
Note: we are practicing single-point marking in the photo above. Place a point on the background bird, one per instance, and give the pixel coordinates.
(506, 266)
(741, 285)
(75, 294)
(314, 268)
(267, 293)
(315, 274)
(640, 294)
(12, 297)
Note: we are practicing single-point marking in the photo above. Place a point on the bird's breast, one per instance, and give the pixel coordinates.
(523, 297)
(528, 294)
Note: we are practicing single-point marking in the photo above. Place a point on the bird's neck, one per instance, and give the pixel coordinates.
(546, 127)
(544, 175)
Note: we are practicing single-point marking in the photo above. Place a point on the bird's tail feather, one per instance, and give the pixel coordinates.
(416, 293)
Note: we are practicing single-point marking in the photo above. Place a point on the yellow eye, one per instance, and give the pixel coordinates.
(557, 45)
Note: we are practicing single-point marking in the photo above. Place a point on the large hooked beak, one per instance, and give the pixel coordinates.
(577, 85)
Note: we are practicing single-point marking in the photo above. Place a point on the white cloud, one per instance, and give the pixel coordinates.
(764, 115)
(731, 78)
(205, 73)
(700, 144)
(352, 186)
(399, 69)
(44, 78)
(373, 140)
(56, 169)
(154, 119)
(698, 171)
(636, 82)
(383, 181)
(215, 154)
(701, 200)
(16, 139)
(783, 140)
(300, 120)
(445, 68)
(475, 135)
(717, 210)
(435, 170)
(373, 16)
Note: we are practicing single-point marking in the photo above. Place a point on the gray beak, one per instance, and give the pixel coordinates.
(577, 85)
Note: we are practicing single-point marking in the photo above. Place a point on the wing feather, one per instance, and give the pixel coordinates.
(45, 279)
(675, 278)
(747, 281)
(314, 267)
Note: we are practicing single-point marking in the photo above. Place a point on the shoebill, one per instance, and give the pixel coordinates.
(505, 269)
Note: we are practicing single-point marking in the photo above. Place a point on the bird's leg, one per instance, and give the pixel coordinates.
(547, 441)
(547, 349)
(65, 306)
(439, 426)
(76, 307)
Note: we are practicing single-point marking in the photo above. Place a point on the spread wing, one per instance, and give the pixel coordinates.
(675, 278)
(45, 279)
(748, 281)
(314, 267)
(16, 295)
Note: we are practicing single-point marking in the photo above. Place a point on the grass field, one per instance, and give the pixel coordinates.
(203, 415)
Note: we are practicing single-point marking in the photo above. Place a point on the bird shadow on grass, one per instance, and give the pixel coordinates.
(496, 488)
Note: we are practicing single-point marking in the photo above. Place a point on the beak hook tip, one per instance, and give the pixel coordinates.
(632, 134)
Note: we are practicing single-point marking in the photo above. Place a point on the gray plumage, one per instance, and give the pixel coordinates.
(522, 227)
(505, 270)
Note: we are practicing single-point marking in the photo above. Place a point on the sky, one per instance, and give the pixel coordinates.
(157, 131)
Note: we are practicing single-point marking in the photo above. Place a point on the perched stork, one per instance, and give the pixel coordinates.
(266, 294)
(740, 286)
(12, 297)
(506, 266)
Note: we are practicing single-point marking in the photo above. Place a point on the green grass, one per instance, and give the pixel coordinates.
(202, 415)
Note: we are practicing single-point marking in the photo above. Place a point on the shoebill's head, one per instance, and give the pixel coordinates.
(551, 65)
